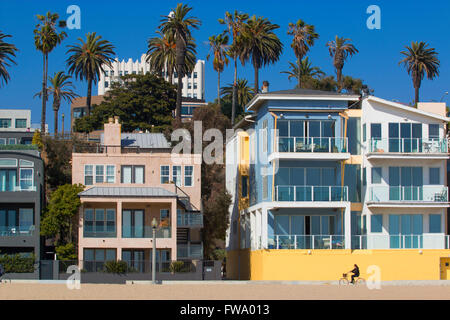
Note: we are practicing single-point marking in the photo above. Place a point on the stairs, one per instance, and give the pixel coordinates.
(182, 235)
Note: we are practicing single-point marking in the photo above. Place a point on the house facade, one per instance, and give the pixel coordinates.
(131, 180)
(322, 179)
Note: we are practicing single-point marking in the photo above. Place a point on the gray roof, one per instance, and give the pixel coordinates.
(143, 140)
(126, 192)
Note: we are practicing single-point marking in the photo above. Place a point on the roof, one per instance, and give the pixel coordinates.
(189, 99)
(126, 192)
(143, 140)
(81, 101)
(299, 94)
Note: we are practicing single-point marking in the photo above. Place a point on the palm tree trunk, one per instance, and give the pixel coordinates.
(44, 94)
(218, 87)
(299, 76)
(55, 122)
(416, 95)
(181, 52)
(256, 79)
(233, 99)
(179, 93)
(339, 79)
(88, 98)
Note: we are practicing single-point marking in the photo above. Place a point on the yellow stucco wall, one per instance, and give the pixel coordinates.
(330, 264)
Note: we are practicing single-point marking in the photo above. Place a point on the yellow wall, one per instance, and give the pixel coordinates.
(330, 264)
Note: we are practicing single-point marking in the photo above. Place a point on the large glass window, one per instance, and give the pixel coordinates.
(176, 175)
(435, 223)
(405, 183)
(99, 173)
(94, 259)
(133, 174)
(26, 178)
(21, 123)
(133, 224)
(375, 131)
(5, 123)
(110, 174)
(433, 131)
(435, 176)
(188, 176)
(88, 175)
(25, 219)
(376, 175)
(376, 221)
(8, 179)
(405, 230)
(165, 174)
(99, 222)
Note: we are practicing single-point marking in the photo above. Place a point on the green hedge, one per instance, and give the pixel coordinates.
(17, 263)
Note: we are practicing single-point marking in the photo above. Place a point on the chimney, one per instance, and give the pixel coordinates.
(265, 87)
(112, 135)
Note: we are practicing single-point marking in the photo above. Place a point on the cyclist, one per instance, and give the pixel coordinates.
(355, 273)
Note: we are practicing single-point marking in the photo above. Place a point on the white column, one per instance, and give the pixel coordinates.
(173, 215)
(347, 226)
(264, 227)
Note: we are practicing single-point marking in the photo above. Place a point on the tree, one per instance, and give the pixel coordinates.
(219, 45)
(340, 49)
(86, 60)
(46, 38)
(59, 220)
(327, 83)
(7, 52)
(161, 55)
(419, 59)
(234, 24)
(304, 71)
(260, 44)
(143, 102)
(60, 89)
(178, 25)
(244, 94)
(304, 36)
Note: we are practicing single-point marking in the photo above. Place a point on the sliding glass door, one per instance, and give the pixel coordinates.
(133, 224)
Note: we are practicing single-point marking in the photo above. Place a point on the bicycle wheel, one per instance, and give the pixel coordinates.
(360, 281)
(343, 281)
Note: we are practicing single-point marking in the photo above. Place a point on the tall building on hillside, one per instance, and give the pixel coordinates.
(322, 180)
(193, 83)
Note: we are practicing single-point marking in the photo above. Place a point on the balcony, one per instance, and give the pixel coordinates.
(420, 195)
(190, 220)
(99, 232)
(311, 193)
(17, 188)
(17, 231)
(306, 242)
(333, 148)
(189, 251)
(414, 148)
(145, 232)
(386, 241)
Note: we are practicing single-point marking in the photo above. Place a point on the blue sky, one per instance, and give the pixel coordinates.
(128, 25)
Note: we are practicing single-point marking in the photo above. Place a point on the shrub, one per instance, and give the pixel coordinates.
(17, 263)
(66, 252)
(179, 266)
(119, 267)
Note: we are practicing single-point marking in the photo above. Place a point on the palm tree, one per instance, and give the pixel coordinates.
(219, 45)
(340, 49)
(60, 89)
(306, 70)
(244, 93)
(234, 24)
(177, 25)
(7, 51)
(260, 44)
(418, 60)
(87, 60)
(46, 38)
(161, 55)
(304, 36)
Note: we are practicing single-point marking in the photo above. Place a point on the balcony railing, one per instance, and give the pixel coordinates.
(412, 241)
(311, 193)
(189, 219)
(145, 232)
(303, 144)
(306, 242)
(189, 251)
(408, 145)
(99, 233)
(17, 231)
(408, 194)
(17, 188)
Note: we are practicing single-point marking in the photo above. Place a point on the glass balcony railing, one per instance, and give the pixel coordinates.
(410, 194)
(15, 231)
(311, 193)
(408, 145)
(99, 232)
(303, 144)
(145, 232)
(411, 241)
(192, 251)
(189, 219)
(9, 188)
(306, 242)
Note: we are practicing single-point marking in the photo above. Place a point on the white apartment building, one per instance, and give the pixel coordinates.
(193, 83)
(18, 120)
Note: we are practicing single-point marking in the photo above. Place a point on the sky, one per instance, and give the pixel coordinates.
(128, 25)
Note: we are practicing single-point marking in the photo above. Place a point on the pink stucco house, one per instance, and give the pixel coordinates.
(131, 179)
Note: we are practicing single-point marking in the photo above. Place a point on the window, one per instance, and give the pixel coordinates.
(94, 259)
(5, 123)
(26, 163)
(364, 132)
(433, 131)
(188, 176)
(376, 223)
(88, 175)
(2, 141)
(405, 137)
(12, 141)
(195, 75)
(176, 175)
(375, 131)
(434, 175)
(16, 220)
(26, 179)
(112, 73)
(244, 187)
(99, 173)
(126, 72)
(106, 84)
(8, 179)
(376, 175)
(5, 162)
(120, 73)
(110, 174)
(189, 85)
(133, 224)
(165, 174)
(195, 85)
(25, 219)
(133, 174)
(134, 72)
(164, 214)
(99, 221)
(21, 123)
(435, 223)
(195, 95)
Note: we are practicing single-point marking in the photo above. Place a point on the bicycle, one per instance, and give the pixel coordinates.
(345, 281)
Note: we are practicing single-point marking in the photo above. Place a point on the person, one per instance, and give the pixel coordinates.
(355, 273)
(2, 271)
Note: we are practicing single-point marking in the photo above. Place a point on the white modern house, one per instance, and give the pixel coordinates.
(193, 83)
(18, 120)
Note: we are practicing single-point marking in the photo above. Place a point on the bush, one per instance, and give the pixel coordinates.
(119, 267)
(66, 252)
(17, 263)
(218, 254)
(179, 266)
